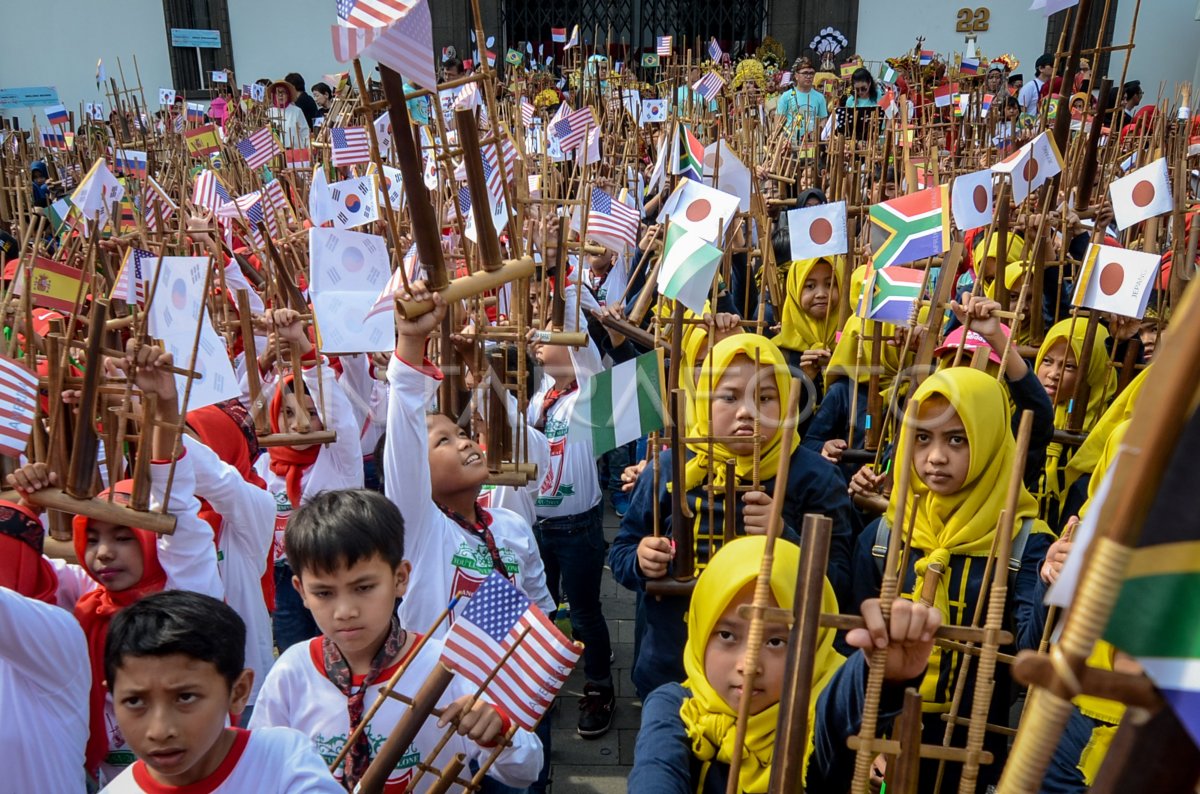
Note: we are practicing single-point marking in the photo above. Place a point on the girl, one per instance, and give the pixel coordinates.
(688, 731)
(810, 314)
(740, 398)
(961, 461)
(1057, 367)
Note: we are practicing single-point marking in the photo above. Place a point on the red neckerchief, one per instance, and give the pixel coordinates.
(552, 396)
(480, 528)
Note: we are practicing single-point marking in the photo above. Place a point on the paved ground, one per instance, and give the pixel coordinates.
(599, 766)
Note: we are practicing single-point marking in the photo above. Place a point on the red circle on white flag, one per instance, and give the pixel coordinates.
(1030, 171)
(821, 231)
(1143, 193)
(698, 210)
(1112, 276)
(979, 197)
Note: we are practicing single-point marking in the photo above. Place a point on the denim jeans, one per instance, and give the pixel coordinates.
(292, 622)
(574, 551)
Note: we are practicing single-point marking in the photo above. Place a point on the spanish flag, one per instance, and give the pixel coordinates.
(202, 141)
(54, 285)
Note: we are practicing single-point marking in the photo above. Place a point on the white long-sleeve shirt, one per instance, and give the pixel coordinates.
(266, 761)
(44, 682)
(338, 465)
(189, 559)
(368, 398)
(297, 694)
(247, 528)
(521, 499)
(446, 559)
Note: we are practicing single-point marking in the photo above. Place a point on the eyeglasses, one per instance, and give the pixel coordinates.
(808, 74)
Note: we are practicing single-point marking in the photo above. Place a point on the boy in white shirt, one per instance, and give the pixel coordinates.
(174, 663)
(347, 548)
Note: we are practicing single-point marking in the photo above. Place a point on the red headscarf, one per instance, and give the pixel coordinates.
(22, 566)
(95, 611)
(288, 462)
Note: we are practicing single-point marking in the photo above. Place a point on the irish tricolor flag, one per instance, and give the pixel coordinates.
(910, 227)
(622, 404)
(688, 267)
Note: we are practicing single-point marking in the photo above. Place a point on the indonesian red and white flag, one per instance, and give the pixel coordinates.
(818, 231)
(1142, 194)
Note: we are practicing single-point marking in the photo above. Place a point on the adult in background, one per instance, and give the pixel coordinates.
(303, 101)
(322, 94)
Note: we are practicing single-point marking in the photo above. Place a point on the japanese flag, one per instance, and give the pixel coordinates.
(1031, 166)
(724, 171)
(818, 231)
(971, 200)
(1141, 195)
(700, 209)
(1116, 280)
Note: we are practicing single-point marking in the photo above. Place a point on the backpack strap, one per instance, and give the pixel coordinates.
(883, 531)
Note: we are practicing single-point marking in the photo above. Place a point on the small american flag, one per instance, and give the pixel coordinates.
(714, 50)
(572, 129)
(611, 221)
(208, 192)
(18, 405)
(130, 285)
(259, 148)
(370, 13)
(709, 86)
(662, 45)
(276, 199)
(400, 37)
(527, 112)
(350, 145)
(157, 206)
(495, 618)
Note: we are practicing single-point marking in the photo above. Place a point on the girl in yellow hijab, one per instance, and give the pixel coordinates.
(810, 313)
(742, 387)
(688, 732)
(1057, 367)
(962, 455)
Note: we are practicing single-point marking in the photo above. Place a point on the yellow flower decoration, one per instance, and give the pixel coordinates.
(547, 97)
(750, 69)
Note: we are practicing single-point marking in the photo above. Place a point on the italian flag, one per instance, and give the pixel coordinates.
(688, 267)
(621, 404)
(688, 154)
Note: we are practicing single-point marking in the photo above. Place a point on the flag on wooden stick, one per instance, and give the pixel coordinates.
(621, 404)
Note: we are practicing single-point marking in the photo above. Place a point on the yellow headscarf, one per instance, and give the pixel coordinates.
(801, 331)
(1014, 253)
(709, 720)
(1086, 457)
(963, 523)
(718, 360)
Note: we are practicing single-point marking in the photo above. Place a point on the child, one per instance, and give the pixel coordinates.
(687, 735)
(433, 473)
(347, 548)
(296, 473)
(174, 664)
(963, 452)
(1057, 368)
(129, 563)
(234, 501)
(37, 638)
(726, 385)
(810, 315)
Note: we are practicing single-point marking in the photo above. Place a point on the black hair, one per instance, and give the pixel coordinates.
(453, 63)
(1131, 89)
(341, 528)
(379, 451)
(263, 81)
(1016, 78)
(863, 75)
(1046, 59)
(296, 81)
(178, 622)
(1012, 102)
(323, 88)
(781, 242)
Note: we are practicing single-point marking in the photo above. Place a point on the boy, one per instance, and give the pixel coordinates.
(347, 551)
(174, 664)
(434, 472)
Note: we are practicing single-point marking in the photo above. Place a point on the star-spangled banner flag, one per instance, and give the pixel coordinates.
(208, 192)
(259, 148)
(18, 406)
(714, 50)
(709, 86)
(662, 45)
(612, 222)
(351, 145)
(400, 36)
(157, 205)
(527, 112)
(572, 129)
(132, 281)
(499, 619)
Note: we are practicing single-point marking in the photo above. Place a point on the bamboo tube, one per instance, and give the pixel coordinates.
(470, 286)
(405, 731)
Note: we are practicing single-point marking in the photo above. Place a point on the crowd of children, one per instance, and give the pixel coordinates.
(285, 627)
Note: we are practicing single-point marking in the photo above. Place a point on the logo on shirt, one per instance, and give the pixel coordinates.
(479, 560)
(397, 781)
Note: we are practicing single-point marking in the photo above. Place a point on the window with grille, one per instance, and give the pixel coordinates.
(191, 72)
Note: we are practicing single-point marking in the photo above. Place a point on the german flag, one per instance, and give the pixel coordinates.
(1155, 619)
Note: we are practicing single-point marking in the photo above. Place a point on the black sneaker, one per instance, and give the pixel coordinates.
(596, 710)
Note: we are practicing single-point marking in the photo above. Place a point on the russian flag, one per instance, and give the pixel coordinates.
(927, 57)
(195, 112)
(58, 116)
(969, 66)
(133, 163)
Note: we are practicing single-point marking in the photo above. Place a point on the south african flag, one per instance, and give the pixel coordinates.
(910, 227)
(892, 294)
(688, 156)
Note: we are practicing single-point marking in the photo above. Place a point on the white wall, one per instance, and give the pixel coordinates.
(1167, 39)
(58, 44)
(274, 37)
(1167, 34)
